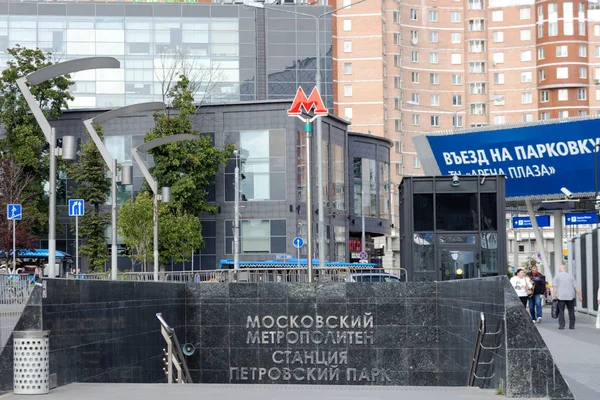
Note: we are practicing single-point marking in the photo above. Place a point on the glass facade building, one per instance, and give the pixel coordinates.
(232, 53)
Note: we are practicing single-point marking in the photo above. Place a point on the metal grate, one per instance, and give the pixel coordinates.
(31, 362)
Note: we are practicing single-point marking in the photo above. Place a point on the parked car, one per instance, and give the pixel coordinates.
(372, 277)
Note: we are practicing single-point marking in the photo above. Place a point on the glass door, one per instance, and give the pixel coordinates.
(457, 262)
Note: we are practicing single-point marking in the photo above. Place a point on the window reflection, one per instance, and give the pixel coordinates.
(338, 164)
(365, 186)
(456, 211)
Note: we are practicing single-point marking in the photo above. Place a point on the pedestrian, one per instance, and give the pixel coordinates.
(564, 288)
(522, 285)
(539, 291)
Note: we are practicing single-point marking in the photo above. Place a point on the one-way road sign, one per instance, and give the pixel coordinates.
(76, 208)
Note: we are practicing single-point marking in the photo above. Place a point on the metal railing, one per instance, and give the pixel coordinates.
(254, 275)
(173, 354)
(15, 290)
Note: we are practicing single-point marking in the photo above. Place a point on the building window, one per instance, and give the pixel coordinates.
(396, 17)
(457, 100)
(583, 72)
(434, 79)
(397, 60)
(597, 94)
(347, 46)
(435, 120)
(525, 13)
(433, 16)
(414, 77)
(596, 30)
(497, 15)
(562, 73)
(477, 88)
(476, 25)
(348, 90)
(498, 78)
(415, 119)
(475, 4)
(525, 34)
(348, 113)
(553, 29)
(456, 58)
(365, 186)
(582, 50)
(416, 163)
(581, 26)
(526, 77)
(397, 38)
(414, 37)
(581, 94)
(498, 37)
(477, 67)
(499, 119)
(478, 109)
(262, 165)
(415, 98)
(397, 82)
(500, 102)
(563, 94)
(347, 25)
(476, 46)
(527, 117)
(562, 51)
(526, 98)
(581, 113)
(540, 30)
(435, 99)
(542, 74)
(397, 103)
(398, 125)
(541, 53)
(413, 14)
(498, 58)
(525, 55)
(347, 68)
(456, 79)
(455, 16)
(433, 37)
(433, 58)
(258, 236)
(544, 116)
(455, 37)
(544, 96)
(563, 114)
(540, 13)
(458, 121)
(597, 51)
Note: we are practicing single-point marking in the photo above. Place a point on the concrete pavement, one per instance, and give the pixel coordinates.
(576, 352)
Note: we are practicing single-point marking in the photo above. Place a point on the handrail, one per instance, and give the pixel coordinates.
(476, 351)
(173, 360)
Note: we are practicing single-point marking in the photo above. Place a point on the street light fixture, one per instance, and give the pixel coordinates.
(35, 78)
(321, 223)
(454, 112)
(112, 163)
(165, 195)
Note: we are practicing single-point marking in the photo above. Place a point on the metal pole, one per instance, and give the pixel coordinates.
(192, 260)
(362, 220)
(307, 130)
(113, 269)
(236, 218)
(558, 241)
(320, 196)
(14, 267)
(76, 244)
(596, 181)
(515, 248)
(52, 208)
(540, 240)
(155, 217)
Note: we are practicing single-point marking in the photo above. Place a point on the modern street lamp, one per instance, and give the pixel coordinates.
(112, 163)
(236, 218)
(321, 223)
(69, 142)
(165, 195)
(454, 112)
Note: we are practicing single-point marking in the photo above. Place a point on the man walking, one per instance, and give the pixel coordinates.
(564, 288)
(539, 291)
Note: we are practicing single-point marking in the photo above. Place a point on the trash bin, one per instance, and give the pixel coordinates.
(31, 353)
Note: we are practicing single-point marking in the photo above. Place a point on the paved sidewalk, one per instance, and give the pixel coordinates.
(577, 354)
(94, 391)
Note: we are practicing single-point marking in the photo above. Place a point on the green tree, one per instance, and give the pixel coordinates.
(190, 166)
(179, 233)
(136, 227)
(23, 138)
(94, 187)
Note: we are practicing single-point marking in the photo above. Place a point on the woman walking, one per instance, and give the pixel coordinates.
(523, 286)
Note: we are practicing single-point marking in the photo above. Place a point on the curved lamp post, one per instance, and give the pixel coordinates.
(320, 195)
(112, 163)
(69, 153)
(166, 191)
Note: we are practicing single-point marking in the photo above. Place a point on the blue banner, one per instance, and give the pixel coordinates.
(581, 218)
(536, 160)
(525, 222)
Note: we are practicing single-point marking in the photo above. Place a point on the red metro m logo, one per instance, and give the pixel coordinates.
(314, 100)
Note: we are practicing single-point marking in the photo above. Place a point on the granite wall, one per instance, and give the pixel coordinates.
(31, 319)
(105, 331)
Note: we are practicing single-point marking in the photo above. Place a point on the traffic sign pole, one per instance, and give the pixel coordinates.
(14, 245)
(76, 244)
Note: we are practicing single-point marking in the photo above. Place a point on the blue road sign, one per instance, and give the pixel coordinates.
(537, 159)
(298, 242)
(581, 218)
(14, 211)
(76, 208)
(363, 255)
(525, 222)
